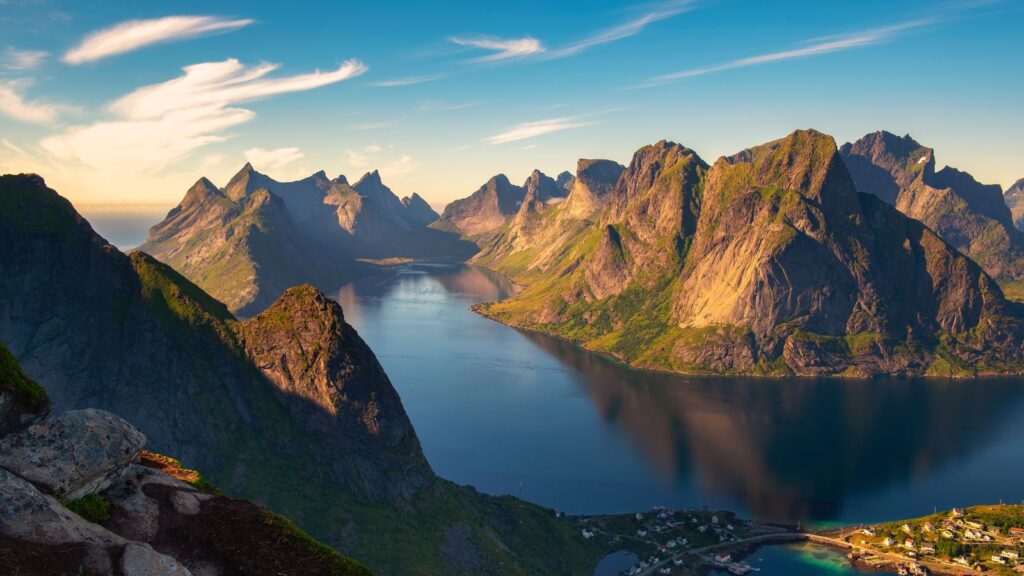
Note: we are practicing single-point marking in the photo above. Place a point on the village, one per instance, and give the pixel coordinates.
(981, 539)
(683, 541)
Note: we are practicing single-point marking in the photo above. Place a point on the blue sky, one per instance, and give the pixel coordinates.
(440, 96)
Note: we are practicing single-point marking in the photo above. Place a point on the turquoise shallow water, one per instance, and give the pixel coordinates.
(801, 560)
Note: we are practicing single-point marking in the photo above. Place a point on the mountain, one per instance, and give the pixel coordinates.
(1014, 197)
(418, 212)
(565, 180)
(240, 243)
(247, 243)
(289, 409)
(971, 216)
(483, 212)
(767, 262)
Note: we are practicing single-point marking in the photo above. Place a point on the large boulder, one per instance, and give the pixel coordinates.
(77, 453)
(28, 514)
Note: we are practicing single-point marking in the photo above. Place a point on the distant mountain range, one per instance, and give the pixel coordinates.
(289, 408)
(971, 216)
(248, 242)
(767, 262)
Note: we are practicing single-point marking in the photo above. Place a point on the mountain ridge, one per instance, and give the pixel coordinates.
(248, 242)
(768, 262)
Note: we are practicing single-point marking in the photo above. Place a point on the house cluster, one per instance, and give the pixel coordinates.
(986, 548)
(644, 565)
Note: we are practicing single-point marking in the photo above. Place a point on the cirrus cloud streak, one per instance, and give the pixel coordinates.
(134, 34)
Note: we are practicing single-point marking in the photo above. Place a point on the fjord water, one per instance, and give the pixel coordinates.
(525, 414)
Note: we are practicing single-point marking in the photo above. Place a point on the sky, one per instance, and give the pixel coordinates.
(120, 104)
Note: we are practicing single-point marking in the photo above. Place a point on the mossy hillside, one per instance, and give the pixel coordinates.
(14, 381)
(36, 209)
(181, 304)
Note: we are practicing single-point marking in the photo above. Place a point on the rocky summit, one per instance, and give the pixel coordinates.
(290, 409)
(767, 262)
(248, 242)
(971, 216)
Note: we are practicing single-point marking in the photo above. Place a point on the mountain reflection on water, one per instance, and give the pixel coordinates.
(783, 449)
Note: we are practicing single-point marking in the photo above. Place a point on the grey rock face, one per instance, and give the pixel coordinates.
(141, 560)
(74, 454)
(28, 514)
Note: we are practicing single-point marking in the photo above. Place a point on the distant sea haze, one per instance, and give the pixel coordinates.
(123, 226)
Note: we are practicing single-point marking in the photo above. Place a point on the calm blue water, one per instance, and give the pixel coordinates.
(524, 414)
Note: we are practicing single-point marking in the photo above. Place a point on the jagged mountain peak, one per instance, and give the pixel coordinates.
(369, 179)
(971, 216)
(418, 211)
(245, 182)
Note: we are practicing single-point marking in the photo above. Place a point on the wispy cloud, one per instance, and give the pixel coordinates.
(14, 104)
(408, 81)
(224, 83)
(16, 60)
(425, 106)
(533, 129)
(135, 34)
(527, 46)
(626, 29)
(276, 160)
(814, 47)
(367, 126)
(503, 49)
(155, 126)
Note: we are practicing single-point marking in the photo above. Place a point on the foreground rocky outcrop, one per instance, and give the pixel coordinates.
(289, 409)
(248, 242)
(79, 496)
(767, 262)
(971, 216)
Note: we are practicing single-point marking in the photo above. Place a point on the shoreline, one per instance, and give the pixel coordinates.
(478, 310)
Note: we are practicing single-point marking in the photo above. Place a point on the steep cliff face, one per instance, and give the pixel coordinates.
(289, 409)
(1014, 197)
(303, 345)
(971, 216)
(767, 262)
(247, 243)
(589, 191)
(483, 212)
